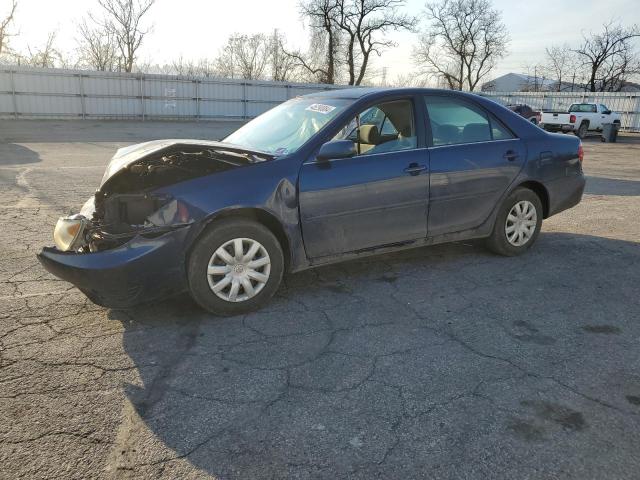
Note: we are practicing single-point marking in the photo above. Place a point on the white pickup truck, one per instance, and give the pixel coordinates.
(580, 119)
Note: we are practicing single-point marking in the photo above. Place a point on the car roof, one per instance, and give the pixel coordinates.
(361, 92)
(522, 127)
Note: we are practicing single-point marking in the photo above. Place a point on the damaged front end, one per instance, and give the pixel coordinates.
(127, 243)
(120, 218)
(125, 205)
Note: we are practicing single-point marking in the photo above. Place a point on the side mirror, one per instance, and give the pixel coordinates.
(336, 149)
(607, 112)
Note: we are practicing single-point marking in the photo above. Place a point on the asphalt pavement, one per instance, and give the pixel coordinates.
(445, 362)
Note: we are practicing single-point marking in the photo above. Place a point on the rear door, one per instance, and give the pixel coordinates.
(473, 160)
(376, 198)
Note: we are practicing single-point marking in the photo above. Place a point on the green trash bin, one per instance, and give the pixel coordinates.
(610, 132)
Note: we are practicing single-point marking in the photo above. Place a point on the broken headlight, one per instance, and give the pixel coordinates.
(68, 233)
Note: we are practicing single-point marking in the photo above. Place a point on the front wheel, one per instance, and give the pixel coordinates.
(235, 267)
(517, 224)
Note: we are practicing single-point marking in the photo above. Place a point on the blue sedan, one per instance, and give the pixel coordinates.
(318, 179)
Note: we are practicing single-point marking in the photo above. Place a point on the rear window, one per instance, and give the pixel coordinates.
(454, 122)
(582, 108)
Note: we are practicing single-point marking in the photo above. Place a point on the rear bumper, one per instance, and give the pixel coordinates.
(140, 271)
(557, 127)
(565, 193)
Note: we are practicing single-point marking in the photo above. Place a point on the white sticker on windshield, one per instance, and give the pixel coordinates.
(320, 108)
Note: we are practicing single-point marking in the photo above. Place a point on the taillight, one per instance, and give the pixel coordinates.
(572, 119)
(580, 152)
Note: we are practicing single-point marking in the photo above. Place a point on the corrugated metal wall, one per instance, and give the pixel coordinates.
(55, 93)
(626, 104)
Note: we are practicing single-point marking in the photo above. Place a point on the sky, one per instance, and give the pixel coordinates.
(196, 29)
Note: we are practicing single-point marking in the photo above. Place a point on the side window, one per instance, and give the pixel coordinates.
(499, 131)
(386, 127)
(603, 108)
(453, 121)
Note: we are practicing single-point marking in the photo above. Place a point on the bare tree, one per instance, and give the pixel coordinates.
(123, 20)
(463, 43)
(4, 26)
(345, 33)
(183, 67)
(98, 48)
(407, 80)
(320, 62)
(364, 24)
(560, 64)
(535, 78)
(283, 66)
(244, 56)
(609, 56)
(202, 67)
(45, 56)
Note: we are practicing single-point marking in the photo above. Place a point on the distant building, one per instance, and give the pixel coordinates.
(630, 87)
(518, 82)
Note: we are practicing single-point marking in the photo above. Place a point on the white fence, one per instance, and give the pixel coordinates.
(55, 93)
(626, 104)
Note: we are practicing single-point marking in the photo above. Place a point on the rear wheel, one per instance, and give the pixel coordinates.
(235, 267)
(582, 130)
(517, 224)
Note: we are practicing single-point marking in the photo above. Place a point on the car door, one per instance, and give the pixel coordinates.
(473, 160)
(604, 114)
(377, 197)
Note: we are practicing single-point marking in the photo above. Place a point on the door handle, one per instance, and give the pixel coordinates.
(510, 155)
(415, 169)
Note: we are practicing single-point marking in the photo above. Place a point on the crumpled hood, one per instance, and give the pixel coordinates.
(126, 156)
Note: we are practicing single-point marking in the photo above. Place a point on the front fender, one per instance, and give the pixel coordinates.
(266, 192)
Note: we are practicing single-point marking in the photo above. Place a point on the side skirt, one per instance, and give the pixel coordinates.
(481, 231)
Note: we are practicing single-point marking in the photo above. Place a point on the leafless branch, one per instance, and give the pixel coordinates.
(45, 56)
(364, 22)
(463, 43)
(123, 20)
(609, 57)
(4, 25)
(98, 48)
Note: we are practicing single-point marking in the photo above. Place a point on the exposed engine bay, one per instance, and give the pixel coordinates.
(127, 204)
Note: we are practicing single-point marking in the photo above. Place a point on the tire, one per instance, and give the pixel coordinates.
(582, 130)
(207, 269)
(499, 241)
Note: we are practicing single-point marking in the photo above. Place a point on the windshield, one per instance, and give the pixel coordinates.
(283, 129)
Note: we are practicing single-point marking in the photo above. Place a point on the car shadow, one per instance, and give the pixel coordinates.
(14, 154)
(612, 186)
(331, 376)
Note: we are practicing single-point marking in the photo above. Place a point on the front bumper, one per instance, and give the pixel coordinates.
(140, 271)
